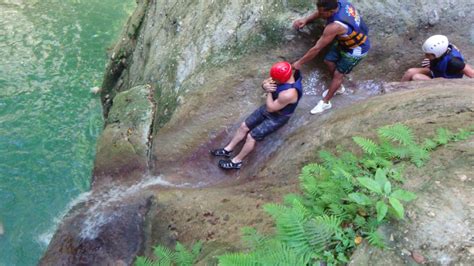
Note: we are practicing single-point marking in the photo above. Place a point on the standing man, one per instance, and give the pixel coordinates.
(348, 34)
(284, 91)
(445, 61)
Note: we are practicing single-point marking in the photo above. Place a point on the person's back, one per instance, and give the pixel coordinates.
(449, 66)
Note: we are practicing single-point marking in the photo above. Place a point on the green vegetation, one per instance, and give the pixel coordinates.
(166, 257)
(344, 200)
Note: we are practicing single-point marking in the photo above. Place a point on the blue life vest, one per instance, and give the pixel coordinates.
(439, 68)
(357, 33)
(290, 108)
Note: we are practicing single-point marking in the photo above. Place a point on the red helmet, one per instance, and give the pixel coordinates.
(281, 71)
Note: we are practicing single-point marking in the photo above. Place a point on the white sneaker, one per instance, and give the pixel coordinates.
(341, 90)
(321, 107)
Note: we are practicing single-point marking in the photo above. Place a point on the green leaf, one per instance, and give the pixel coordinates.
(370, 184)
(342, 257)
(403, 195)
(387, 188)
(381, 177)
(382, 209)
(397, 206)
(360, 198)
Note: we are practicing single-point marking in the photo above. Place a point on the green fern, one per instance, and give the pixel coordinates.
(281, 254)
(164, 255)
(252, 238)
(398, 133)
(463, 134)
(143, 261)
(343, 197)
(367, 145)
(418, 156)
(238, 259)
(443, 136)
(375, 239)
(183, 257)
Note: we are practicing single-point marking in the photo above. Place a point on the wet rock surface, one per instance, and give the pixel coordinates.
(122, 150)
(437, 228)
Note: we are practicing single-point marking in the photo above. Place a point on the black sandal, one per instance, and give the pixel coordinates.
(228, 164)
(221, 152)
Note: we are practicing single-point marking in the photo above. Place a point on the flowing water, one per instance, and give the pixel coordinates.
(52, 52)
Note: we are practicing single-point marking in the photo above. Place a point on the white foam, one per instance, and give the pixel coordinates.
(101, 212)
(44, 238)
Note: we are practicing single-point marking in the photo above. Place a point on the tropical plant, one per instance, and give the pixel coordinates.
(345, 198)
(166, 257)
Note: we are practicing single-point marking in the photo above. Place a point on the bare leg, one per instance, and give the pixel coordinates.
(410, 74)
(246, 149)
(331, 66)
(334, 86)
(417, 77)
(468, 71)
(238, 137)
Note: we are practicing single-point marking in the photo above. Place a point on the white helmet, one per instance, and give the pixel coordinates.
(437, 45)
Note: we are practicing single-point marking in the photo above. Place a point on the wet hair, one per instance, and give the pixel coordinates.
(328, 4)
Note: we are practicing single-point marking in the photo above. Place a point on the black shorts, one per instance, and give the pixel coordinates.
(261, 122)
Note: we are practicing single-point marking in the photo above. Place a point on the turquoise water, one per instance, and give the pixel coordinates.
(52, 52)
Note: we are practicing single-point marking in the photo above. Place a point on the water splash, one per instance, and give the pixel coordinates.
(45, 238)
(103, 207)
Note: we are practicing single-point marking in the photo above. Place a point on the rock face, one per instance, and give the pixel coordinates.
(122, 150)
(185, 74)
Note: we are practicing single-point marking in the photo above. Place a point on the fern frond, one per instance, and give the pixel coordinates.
(278, 253)
(318, 235)
(418, 156)
(289, 198)
(144, 261)
(397, 133)
(314, 169)
(462, 134)
(429, 144)
(328, 158)
(401, 152)
(182, 256)
(164, 255)
(376, 239)
(252, 238)
(196, 249)
(331, 222)
(443, 136)
(367, 145)
(238, 259)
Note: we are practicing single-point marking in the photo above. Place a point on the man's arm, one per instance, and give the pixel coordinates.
(300, 23)
(329, 33)
(284, 98)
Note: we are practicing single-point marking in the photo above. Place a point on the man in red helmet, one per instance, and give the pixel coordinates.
(284, 90)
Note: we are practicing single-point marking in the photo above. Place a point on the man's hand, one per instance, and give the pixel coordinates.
(269, 85)
(299, 23)
(296, 65)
